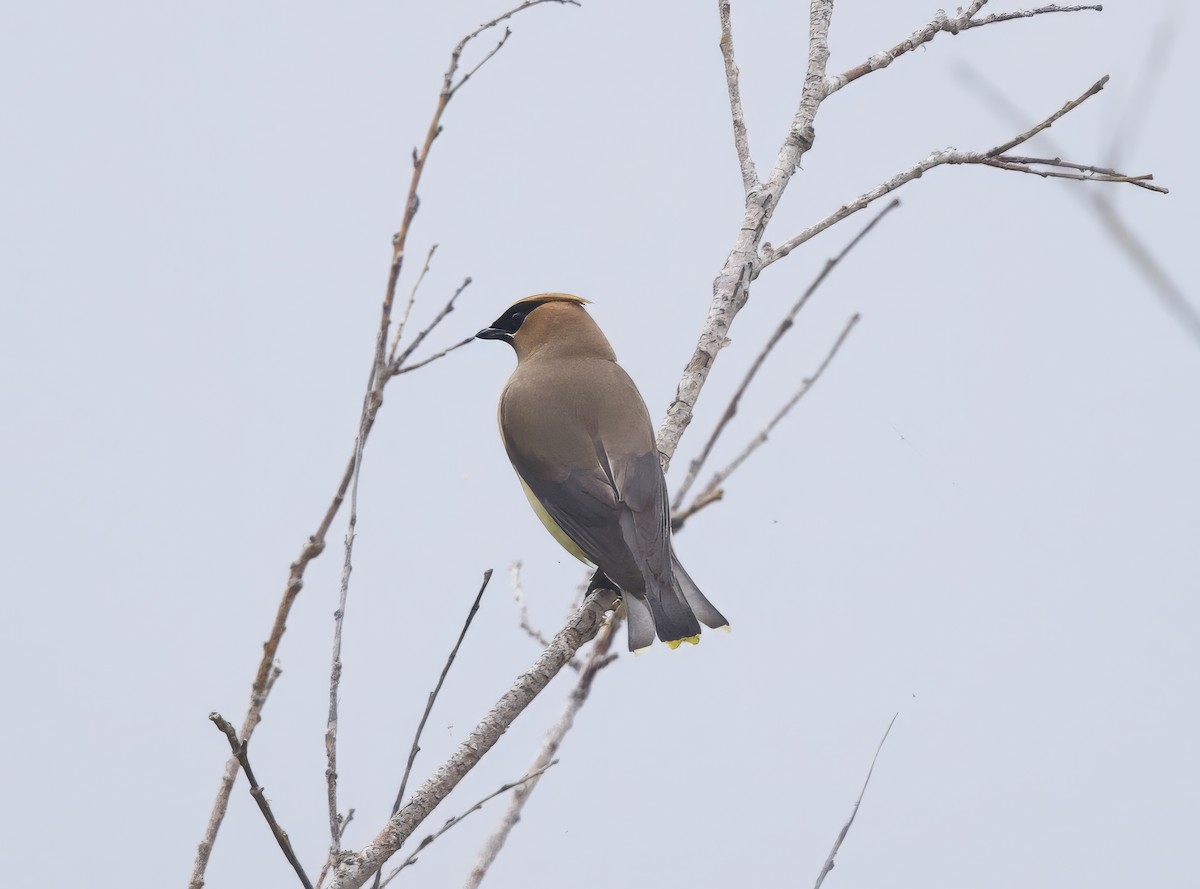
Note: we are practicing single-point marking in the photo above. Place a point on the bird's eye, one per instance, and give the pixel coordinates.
(518, 315)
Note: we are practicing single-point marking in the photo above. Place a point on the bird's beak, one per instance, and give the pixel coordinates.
(494, 333)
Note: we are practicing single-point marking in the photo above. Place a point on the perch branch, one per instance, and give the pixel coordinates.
(353, 869)
(598, 658)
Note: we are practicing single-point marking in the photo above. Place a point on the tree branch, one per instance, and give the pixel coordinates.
(837, 844)
(789, 319)
(964, 21)
(241, 752)
(598, 658)
(315, 544)
(709, 492)
(937, 159)
(731, 288)
(741, 141)
(353, 869)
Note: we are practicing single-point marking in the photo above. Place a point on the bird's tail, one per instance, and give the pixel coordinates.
(673, 612)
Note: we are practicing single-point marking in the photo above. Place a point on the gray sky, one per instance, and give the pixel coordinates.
(985, 516)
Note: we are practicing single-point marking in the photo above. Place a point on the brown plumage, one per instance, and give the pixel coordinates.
(579, 436)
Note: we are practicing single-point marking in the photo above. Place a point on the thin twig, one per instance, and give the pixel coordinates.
(345, 822)
(598, 657)
(315, 544)
(432, 358)
(784, 326)
(408, 307)
(452, 88)
(935, 159)
(719, 478)
(741, 141)
(412, 859)
(680, 517)
(828, 866)
(964, 21)
(1172, 297)
(339, 616)
(1002, 163)
(241, 750)
(523, 610)
(396, 364)
(416, 742)
(355, 868)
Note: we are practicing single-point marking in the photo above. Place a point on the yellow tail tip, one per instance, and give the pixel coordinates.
(675, 643)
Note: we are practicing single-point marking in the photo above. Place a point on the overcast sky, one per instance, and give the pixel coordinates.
(985, 516)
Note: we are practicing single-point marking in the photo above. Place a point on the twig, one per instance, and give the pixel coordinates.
(741, 141)
(935, 159)
(316, 543)
(335, 668)
(345, 822)
(828, 866)
(964, 21)
(719, 478)
(679, 517)
(598, 658)
(1029, 166)
(412, 859)
(452, 88)
(522, 610)
(408, 307)
(241, 751)
(432, 358)
(1172, 297)
(396, 364)
(416, 742)
(355, 868)
(788, 320)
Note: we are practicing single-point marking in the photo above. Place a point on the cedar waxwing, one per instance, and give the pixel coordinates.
(579, 436)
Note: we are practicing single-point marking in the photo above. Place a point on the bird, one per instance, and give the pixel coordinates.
(578, 434)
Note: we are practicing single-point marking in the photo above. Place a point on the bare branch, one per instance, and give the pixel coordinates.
(1049, 121)
(598, 658)
(936, 159)
(241, 750)
(759, 440)
(828, 866)
(731, 288)
(412, 859)
(395, 365)
(432, 358)
(1172, 297)
(416, 743)
(408, 307)
(679, 517)
(449, 88)
(741, 141)
(316, 543)
(1031, 164)
(830, 264)
(964, 21)
(335, 669)
(355, 868)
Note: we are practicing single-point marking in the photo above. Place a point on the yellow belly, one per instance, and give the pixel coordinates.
(553, 527)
